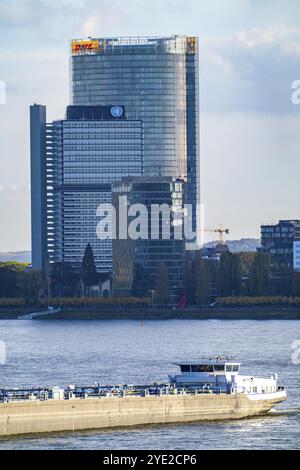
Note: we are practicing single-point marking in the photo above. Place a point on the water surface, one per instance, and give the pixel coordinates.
(111, 352)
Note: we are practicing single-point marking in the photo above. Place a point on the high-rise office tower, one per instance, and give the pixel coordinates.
(74, 162)
(149, 251)
(38, 166)
(156, 78)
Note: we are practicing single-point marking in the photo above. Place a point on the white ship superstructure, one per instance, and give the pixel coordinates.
(222, 375)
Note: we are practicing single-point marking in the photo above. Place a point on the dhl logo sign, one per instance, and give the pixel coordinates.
(85, 46)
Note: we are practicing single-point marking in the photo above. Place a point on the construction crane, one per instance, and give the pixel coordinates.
(221, 231)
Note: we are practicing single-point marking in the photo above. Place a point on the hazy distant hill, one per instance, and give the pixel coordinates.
(236, 246)
(246, 244)
(19, 256)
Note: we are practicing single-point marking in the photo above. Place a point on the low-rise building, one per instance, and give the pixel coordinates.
(282, 243)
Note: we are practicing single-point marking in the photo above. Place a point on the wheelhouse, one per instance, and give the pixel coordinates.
(216, 373)
(211, 368)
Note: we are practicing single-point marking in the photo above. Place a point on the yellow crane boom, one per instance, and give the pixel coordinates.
(220, 231)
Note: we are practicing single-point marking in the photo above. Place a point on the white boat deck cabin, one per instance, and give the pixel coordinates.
(220, 375)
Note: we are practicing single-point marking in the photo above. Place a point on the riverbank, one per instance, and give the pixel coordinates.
(142, 314)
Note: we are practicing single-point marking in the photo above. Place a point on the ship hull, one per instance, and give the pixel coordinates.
(35, 417)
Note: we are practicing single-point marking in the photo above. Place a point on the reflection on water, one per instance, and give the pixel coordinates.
(61, 352)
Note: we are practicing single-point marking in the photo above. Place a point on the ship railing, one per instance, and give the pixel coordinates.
(24, 398)
(109, 392)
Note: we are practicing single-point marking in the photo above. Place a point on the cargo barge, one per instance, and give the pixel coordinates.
(204, 390)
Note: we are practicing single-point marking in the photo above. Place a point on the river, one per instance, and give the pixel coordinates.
(110, 352)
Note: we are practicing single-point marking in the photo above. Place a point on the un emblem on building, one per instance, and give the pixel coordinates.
(116, 111)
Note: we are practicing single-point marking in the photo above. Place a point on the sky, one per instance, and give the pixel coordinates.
(249, 127)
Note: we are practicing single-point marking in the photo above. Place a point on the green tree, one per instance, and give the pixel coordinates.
(246, 261)
(16, 282)
(203, 280)
(32, 284)
(162, 284)
(282, 283)
(224, 277)
(70, 279)
(230, 275)
(9, 287)
(89, 274)
(259, 283)
(56, 287)
(189, 278)
(236, 274)
(296, 284)
(14, 265)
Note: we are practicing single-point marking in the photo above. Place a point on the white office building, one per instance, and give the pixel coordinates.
(85, 153)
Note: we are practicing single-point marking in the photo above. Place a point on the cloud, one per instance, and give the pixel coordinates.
(260, 41)
(251, 70)
(14, 13)
(284, 39)
(95, 24)
(91, 26)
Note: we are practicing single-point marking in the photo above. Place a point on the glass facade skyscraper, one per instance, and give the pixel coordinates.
(156, 78)
(149, 251)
